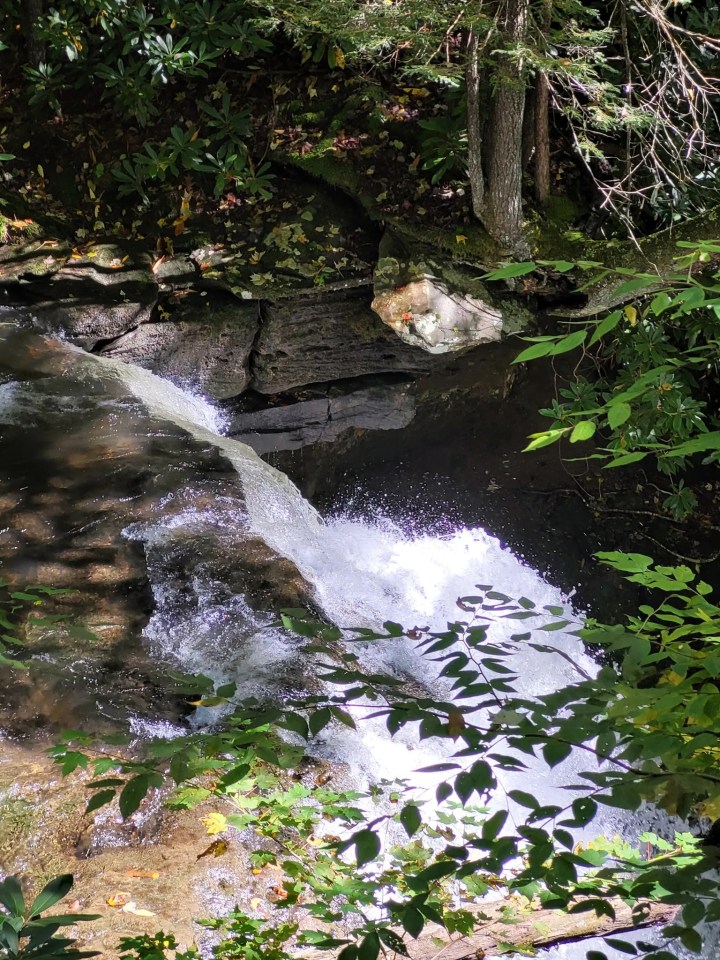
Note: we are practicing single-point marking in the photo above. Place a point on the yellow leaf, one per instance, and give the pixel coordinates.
(459, 238)
(214, 823)
(631, 313)
(118, 899)
(456, 723)
(216, 849)
(339, 57)
(709, 808)
(26, 145)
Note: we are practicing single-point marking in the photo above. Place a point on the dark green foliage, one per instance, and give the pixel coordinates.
(25, 934)
(650, 384)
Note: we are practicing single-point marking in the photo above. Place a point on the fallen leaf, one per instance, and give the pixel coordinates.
(131, 907)
(118, 900)
(148, 874)
(216, 849)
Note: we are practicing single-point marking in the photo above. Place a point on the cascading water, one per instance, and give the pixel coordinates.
(362, 571)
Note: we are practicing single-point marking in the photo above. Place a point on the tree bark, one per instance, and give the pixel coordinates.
(542, 138)
(528, 137)
(502, 212)
(475, 166)
(542, 120)
(32, 10)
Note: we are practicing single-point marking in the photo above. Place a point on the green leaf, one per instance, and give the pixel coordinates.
(509, 271)
(622, 946)
(636, 283)
(691, 940)
(535, 351)
(571, 342)
(584, 809)
(605, 326)
(583, 431)
(319, 720)
(545, 438)
(555, 751)
(393, 941)
(618, 414)
(524, 799)
(11, 896)
(369, 947)
(601, 907)
(367, 846)
(693, 913)
(411, 818)
(442, 792)
(625, 459)
(99, 799)
(412, 921)
(133, 793)
(492, 827)
(51, 893)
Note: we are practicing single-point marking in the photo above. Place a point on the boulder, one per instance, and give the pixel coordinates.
(426, 314)
(203, 342)
(96, 295)
(321, 415)
(324, 336)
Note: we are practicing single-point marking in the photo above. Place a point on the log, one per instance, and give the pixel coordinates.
(536, 929)
(653, 254)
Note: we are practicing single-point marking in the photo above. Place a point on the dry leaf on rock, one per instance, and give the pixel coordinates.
(132, 907)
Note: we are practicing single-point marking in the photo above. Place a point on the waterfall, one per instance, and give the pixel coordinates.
(362, 571)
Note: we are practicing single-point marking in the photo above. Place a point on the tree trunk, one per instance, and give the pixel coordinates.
(502, 213)
(32, 10)
(475, 167)
(542, 120)
(542, 138)
(528, 137)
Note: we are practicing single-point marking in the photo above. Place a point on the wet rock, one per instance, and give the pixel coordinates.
(25, 263)
(202, 342)
(322, 414)
(327, 336)
(96, 296)
(426, 314)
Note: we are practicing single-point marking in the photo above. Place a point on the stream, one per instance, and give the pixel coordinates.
(182, 543)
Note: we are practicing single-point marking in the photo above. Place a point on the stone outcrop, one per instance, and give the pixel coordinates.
(323, 413)
(327, 336)
(204, 344)
(425, 313)
(96, 295)
(288, 304)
